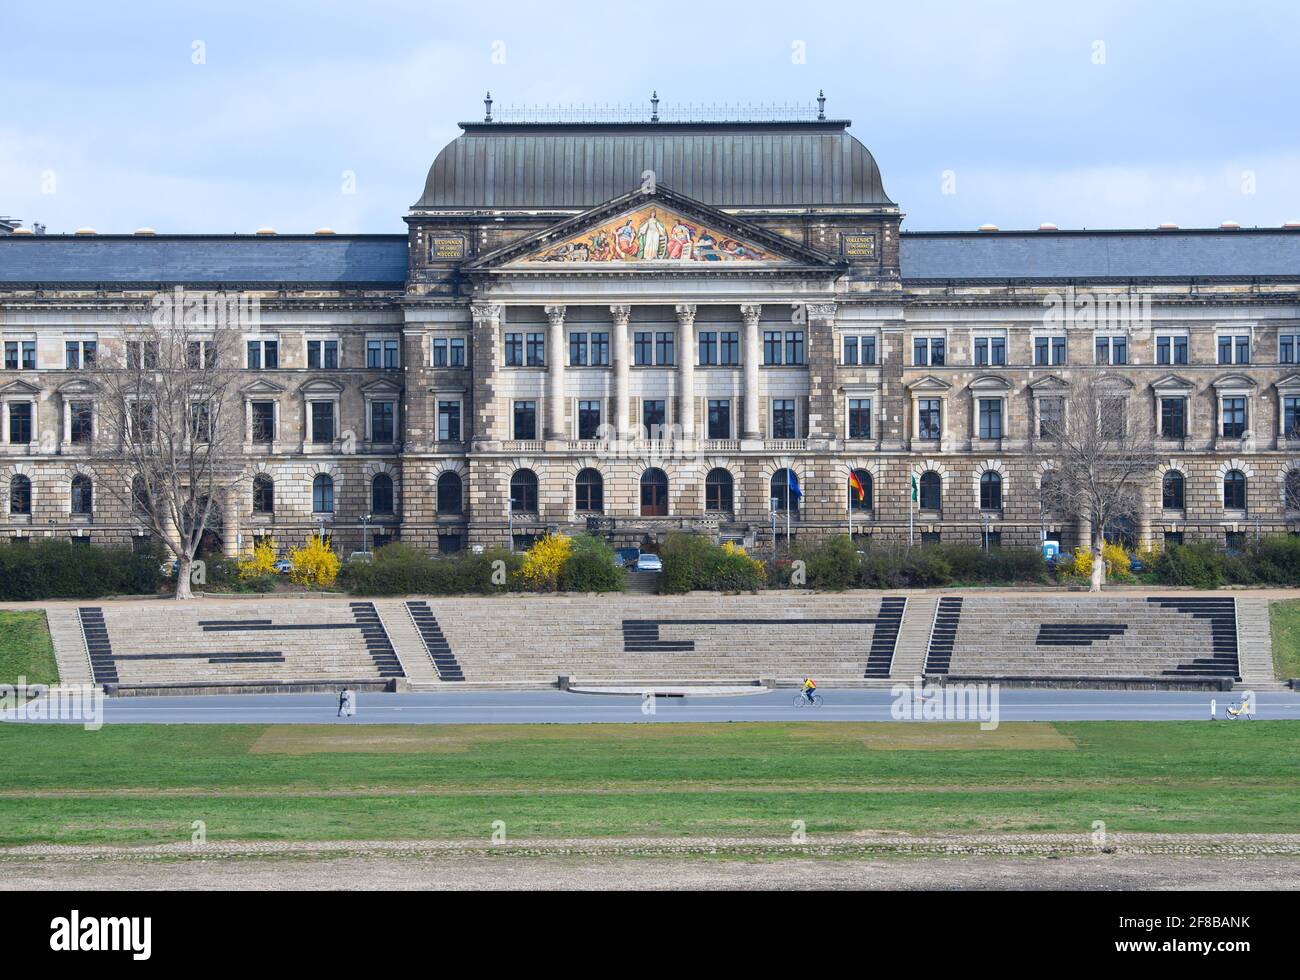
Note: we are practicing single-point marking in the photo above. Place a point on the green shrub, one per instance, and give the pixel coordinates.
(834, 565)
(692, 561)
(590, 567)
(49, 568)
(1199, 564)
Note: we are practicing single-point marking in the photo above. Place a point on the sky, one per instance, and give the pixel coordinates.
(229, 116)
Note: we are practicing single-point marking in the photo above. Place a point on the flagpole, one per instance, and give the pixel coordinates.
(848, 510)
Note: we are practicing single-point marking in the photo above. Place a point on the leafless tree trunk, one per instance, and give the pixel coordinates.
(170, 419)
(1101, 462)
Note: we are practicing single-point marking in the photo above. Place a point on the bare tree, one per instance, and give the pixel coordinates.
(1101, 462)
(170, 419)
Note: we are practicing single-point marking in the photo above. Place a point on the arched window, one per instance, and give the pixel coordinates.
(786, 499)
(719, 491)
(322, 495)
(381, 494)
(1173, 491)
(860, 500)
(20, 495)
(83, 495)
(1234, 490)
(931, 491)
(990, 490)
(589, 490)
(1291, 491)
(263, 494)
(141, 503)
(449, 492)
(654, 493)
(523, 491)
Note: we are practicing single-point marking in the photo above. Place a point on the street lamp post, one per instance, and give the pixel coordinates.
(510, 517)
(365, 537)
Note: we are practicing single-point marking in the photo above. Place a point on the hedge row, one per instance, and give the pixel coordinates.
(1273, 560)
(836, 564)
(50, 568)
(399, 569)
(694, 562)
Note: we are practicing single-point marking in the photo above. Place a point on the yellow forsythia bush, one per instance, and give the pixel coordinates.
(315, 563)
(262, 562)
(1116, 559)
(544, 560)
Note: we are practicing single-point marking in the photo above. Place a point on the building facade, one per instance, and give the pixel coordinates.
(640, 327)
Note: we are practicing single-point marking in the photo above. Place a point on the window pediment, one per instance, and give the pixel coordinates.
(929, 384)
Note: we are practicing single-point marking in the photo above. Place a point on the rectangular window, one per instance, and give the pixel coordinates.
(263, 421)
(262, 354)
(654, 417)
(928, 351)
(536, 350)
(928, 418)
(29, 355)
(859, 418)
(440, 352)
(1234, 349)
(82, 422)
(1234, 418)
(1171, 350)
(771, 346)
(11, 355)
(382, 425)
(448, 421)
(1049, 350)
(525, 420)
(850, 350)
(600, 349)
(71, 355)
(719, 421)
(643, 348)
(141, 354)
(708, 347)
(141, 422)
(794, 347)
(1051, 417)
(729, 353)
(514, 348)
(1114, 418)
(783, 419)
(1288, 347)
(1173, 418)
(577, 350)
(990, 413)
(588, 419)
(20, 422)
(664, 348)
(201, 422)
(322, 354)
(322, 422)
(457, 352)
(1112, 350)
(990, 351)
(1291, 417)
(381, 353)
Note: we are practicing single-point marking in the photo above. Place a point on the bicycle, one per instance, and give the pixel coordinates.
(801, 701)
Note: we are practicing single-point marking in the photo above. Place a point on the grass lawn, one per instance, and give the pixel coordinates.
(26, 649)
(1284, 617)
(138, 784)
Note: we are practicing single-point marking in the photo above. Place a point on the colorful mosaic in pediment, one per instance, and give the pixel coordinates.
(652, 234)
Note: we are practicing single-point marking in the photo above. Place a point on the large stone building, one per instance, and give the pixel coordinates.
(647, 326)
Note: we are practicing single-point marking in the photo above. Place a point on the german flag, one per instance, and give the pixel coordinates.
(856, 484)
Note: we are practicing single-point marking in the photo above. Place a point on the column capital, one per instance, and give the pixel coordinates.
(751, 312)
(822, 311)
(555, 314)
(685, 312)
(486, 311)
(620, 312)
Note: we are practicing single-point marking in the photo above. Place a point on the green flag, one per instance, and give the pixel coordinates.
(914, 494)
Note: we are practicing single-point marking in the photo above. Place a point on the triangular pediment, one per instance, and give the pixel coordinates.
(381, 386)
(1172, 382)
(652, 229)
(1048, 383)
(1290, 383)
(19, 387)
(262, 386)
(929, 383)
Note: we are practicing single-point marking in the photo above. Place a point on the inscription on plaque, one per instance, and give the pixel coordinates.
(444, 249)
(859, 246)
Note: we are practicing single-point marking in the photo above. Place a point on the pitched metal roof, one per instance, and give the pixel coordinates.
(326, 260)
(1101, 255)
(580, 165)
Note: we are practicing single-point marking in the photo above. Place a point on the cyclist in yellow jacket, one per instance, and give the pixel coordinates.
(809, 685)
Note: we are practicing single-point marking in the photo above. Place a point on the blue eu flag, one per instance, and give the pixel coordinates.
(793, 482)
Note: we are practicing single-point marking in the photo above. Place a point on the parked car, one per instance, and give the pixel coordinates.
(649, 563)
(624, 557)
(283, 565)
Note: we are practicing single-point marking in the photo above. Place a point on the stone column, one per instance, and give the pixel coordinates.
(622, 370)
(752, 354)
(486, 351)
(686, 370)
(555, 374)
(230, 522)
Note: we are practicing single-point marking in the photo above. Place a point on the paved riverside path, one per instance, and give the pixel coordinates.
(555, 707)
